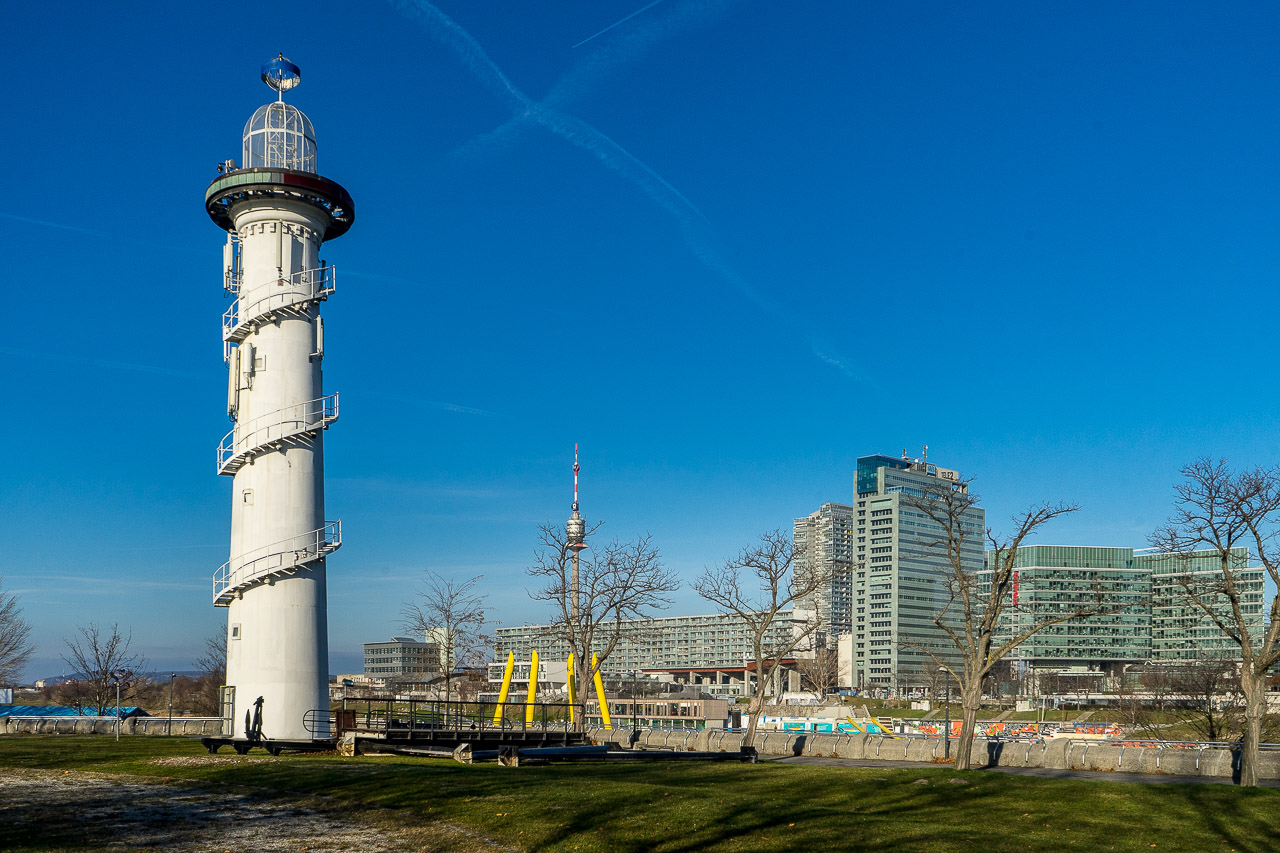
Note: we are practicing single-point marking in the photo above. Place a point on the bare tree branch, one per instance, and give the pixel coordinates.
(451, 614)
(620, 585)
(1219, 510)
(756, 586)
(101, 659)
(976, 596)
(15, 633)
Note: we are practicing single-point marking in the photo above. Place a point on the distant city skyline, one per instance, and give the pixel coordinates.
(727, 247)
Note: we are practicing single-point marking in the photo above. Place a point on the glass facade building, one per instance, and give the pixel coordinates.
(1148, 616)
(1050, 581)
(1180, 628)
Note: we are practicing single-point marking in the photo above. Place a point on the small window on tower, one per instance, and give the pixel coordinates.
(235, 631)
(247, 497)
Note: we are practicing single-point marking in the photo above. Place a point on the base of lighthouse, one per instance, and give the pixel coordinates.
(277, 639)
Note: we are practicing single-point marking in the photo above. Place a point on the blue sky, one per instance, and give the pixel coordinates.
(728, 247)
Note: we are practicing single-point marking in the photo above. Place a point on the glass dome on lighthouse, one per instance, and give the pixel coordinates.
(279, 135)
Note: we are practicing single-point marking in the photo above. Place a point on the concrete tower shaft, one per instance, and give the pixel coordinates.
(274, 582)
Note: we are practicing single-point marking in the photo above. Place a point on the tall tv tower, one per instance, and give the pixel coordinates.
(575, 530)
(276, 211)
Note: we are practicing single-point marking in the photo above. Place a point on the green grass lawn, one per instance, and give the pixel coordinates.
(694, 807)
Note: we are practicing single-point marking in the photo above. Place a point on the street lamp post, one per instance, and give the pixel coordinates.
(168, 726)
(117, 708)
(946, 744)
(635, 713)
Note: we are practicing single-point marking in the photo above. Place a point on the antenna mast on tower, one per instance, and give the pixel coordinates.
(575, 530)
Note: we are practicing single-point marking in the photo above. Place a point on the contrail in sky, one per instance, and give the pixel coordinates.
(617, 23)
(46, 224)
(699, 234)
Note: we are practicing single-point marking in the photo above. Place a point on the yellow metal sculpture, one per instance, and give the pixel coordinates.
(506, 686)
(533, 688)
(604, 705)
(573, 694)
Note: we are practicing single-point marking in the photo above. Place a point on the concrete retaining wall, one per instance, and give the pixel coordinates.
(188, 726)
(1054, 754)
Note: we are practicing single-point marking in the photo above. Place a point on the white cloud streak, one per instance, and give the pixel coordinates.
(696, 229)
(618, 23)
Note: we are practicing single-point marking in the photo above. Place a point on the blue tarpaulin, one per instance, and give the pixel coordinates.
(66, 711)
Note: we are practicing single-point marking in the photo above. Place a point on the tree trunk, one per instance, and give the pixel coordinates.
(754, 707)
(970, 700)
(1255, 705)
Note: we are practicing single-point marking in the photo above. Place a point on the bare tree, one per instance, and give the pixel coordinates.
(1208, 691)
(970, 618)
(15, 646)
(101, 660)
(451, 614)
(212, 665)
(756, 586)
(821, 672)
(1218, 509)
(618, 588)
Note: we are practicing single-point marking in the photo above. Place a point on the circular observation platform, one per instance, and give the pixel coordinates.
(250, 185)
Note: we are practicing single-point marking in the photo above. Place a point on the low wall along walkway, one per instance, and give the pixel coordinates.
(1055, 754)
(107, 726)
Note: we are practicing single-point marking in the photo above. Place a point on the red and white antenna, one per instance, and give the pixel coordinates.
(576, 469)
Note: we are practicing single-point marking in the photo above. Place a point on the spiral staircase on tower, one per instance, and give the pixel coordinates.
(293, 425)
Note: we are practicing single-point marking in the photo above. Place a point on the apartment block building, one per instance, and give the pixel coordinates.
(823, 543)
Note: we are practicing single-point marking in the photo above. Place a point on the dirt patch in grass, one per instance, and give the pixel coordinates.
(68, 810)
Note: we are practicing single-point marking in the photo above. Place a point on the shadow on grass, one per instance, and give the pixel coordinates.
(684, 807)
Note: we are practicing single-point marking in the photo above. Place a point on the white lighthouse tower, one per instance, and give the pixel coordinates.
(277, 211)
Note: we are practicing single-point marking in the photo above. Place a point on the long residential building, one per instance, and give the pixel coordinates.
(712, 650)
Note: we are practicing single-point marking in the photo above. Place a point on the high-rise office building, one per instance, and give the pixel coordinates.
(823, 543)
(901, 571)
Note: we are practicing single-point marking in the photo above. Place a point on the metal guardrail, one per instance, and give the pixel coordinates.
(238, 444)
(280, 557)
(303, 286)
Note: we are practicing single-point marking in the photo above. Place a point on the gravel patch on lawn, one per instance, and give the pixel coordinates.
(51, 810)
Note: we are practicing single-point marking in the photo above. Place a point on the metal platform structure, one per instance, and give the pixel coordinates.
(428, 725)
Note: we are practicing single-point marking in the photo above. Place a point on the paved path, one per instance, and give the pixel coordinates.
(1043, 773)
